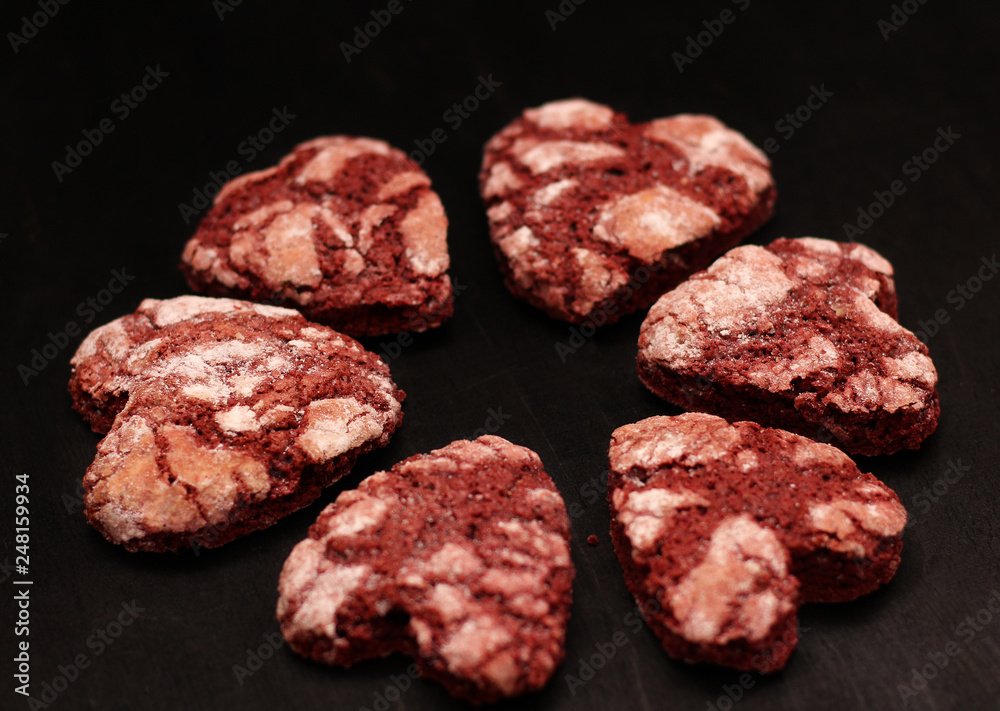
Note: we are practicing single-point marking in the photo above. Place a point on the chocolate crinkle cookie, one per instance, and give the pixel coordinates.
(221, 417)
(593, 217)
(459, 558)
(723, 530)
(801, 334)
(345, 229)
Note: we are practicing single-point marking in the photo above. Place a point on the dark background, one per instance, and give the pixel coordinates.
(120, 210)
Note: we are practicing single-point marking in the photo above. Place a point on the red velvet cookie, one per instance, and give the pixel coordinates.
(459, 558)
(347, 230)
(801, 334)
(221, 417)
(592, 216)
(723, 530)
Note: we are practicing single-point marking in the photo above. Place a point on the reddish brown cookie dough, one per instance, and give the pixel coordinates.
(345, 229)
(591, 214)
(459, 558)
(724, 530)
(801, 334)
(221, 417)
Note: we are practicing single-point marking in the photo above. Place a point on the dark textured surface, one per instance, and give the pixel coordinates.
(494, 365)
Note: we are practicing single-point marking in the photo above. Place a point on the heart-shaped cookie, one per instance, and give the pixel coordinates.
(801, 334)
(723, 530)
(593, 217)
(459, 558)
(221, 417)
(345, 229)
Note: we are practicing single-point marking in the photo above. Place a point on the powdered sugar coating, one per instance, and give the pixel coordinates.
(500, 179)
(842, 518)
(541, 157)
(182, 308)
(808, 321)
(483, 610)
(578, 176)
(871, 259)
(549, 193)
(571, 113)
(651, 444)
(727, 596)
(705, 141)
(653, 221)
(345, 228)
(600, 277)
(739, 290)
(645, 515)
(336, 425)
(730, 526)
(334, 154)
(186, 390)
(423, 231)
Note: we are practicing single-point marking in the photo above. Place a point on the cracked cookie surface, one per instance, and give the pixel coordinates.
(800, 334)
(723, 530)
(459, 558)
(221, 417)
(594, 217)
(345, 229)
